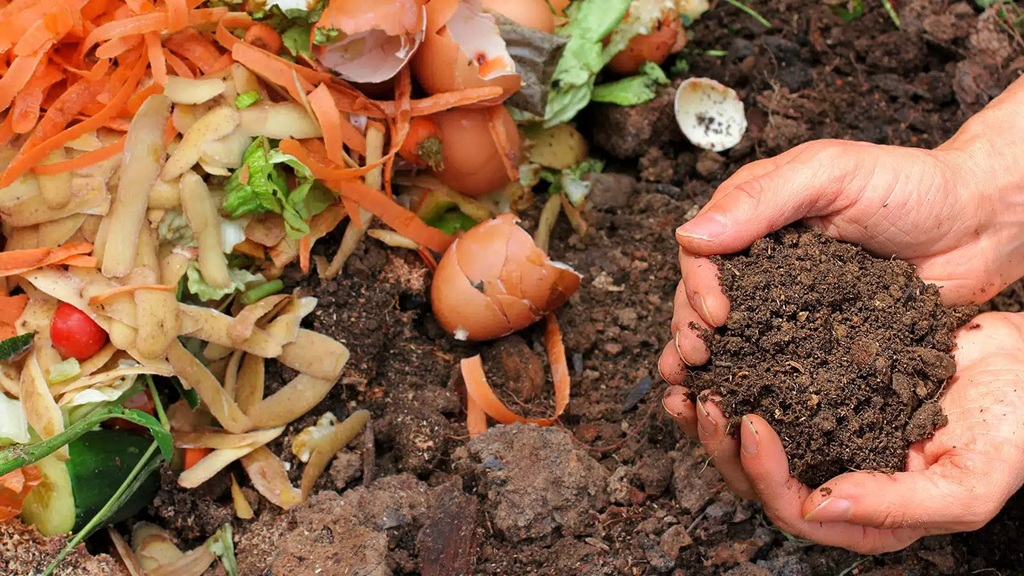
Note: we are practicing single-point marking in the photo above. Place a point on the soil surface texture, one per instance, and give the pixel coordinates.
(843, 353)
(614, 488)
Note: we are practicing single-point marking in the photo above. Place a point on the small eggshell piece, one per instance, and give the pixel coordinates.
(710, 114)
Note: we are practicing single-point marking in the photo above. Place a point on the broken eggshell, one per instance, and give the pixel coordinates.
(463, 48)
(710, 114)
(371, 41)
(493, 281)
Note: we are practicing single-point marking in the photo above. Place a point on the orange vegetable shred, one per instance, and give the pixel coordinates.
(480, 395)
(15, 487)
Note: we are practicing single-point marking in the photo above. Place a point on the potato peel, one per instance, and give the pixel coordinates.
(267, 473)
(342, 433)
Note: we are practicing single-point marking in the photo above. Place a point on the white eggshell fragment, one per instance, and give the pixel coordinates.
(710, 114)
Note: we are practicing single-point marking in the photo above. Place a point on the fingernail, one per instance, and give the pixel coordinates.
(751, 441)
(707, 226)
(831, 510)
(673, 393)
(705, 422)
(680, 350)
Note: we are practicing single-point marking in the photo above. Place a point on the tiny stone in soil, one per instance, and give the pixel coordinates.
(844, 354)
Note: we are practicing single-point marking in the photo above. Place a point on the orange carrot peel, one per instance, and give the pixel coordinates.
(480, 397)
(15, 487)
(14, 262)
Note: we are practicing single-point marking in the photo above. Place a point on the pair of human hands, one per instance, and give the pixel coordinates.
(963, 228)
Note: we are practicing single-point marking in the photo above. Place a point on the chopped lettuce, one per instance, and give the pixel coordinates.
(174, 229)
(570, 181)
(64, 371)
(261, 185)
(85, 401)
(246, 99)
(584, 57)
(239, 280)
(13, 422)
(634, 90)
(232, 233)
(294, 19)
(324, 36)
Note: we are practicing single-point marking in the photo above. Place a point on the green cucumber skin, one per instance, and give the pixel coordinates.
(100, 462)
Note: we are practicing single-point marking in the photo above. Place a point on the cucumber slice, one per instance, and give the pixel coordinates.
(72, 492)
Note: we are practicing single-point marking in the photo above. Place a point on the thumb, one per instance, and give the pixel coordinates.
(740, 213)
(935, 498)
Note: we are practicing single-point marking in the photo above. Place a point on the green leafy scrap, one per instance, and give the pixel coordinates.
(296, 39)
(294, 24)
(634, 90)
(323, 36)
(12, 348)
(223, 546)
(590, 21)
(261, 186)
(246, 99)
(570, 180)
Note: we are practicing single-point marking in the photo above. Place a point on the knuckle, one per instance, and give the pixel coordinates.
(892, 518)
(751, 191)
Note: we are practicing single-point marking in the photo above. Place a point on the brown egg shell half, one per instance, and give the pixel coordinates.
(457, 39)
(494, 281)
(377, 40)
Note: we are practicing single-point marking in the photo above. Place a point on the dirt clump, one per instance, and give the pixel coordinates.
(23, 550)
(370, 531)
(535, 481)
(844, 354)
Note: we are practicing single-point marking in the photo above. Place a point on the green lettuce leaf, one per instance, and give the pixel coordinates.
(633, 90)
(570, 181)
(584, 57)
(239, 280)
(265, 189)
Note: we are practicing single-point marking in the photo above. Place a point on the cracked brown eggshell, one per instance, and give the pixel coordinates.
(493, 281)
(374, 39)
(463, 48)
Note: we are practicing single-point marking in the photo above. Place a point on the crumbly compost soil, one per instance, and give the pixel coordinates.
(614, 489)
(843, 353)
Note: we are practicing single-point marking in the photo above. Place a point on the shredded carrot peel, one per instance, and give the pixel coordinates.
(481, 397)
(15, 487)
(14, 262)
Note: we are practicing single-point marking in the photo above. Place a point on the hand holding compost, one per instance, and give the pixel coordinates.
(945, 212)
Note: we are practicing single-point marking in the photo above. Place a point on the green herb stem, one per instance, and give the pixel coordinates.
(257, 293)
(158, 405)
(15, 457)
(750, 12)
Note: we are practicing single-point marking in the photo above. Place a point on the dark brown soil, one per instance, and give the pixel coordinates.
(844, 354)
